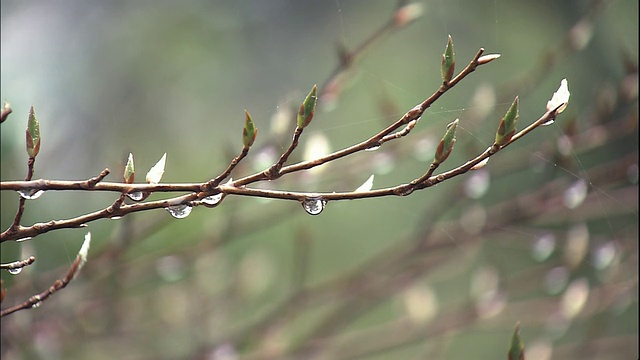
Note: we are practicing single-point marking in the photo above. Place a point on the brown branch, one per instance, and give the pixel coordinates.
(35, 300)
(18, 264)
(235, 188)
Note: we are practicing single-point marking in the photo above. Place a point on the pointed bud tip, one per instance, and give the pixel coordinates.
(155, 173)
(448, 62)
(307, 109)
(445, 147)
(485, 59)
(33, 134)
(129, 170)
(507, 127)
(249, 132)
(560, 98)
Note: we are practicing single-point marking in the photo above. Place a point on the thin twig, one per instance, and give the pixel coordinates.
(18, 264)
(35, 300)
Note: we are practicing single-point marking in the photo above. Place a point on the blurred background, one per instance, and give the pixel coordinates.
(545, 235)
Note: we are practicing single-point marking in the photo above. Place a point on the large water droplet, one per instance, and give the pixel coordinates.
(31, 194)
(136, 195)
(212, 200)
(15, 271)
(314, 205)
(179, 211)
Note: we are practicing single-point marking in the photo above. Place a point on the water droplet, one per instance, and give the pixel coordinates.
(115, 217)
(15, 271)
(212, 200)
(24, 239)
(314, 205)
(179, 211)
(373, 148)
(36, 305)
(548, 122)
(31, 194)
(136, 195)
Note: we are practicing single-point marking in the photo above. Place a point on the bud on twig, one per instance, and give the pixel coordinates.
(448, 62)
(33, 134)
(129, 171)
(507, 127)
(485, 59)
(155, 173)
(250, 131)
(446, 143)
(560, 98)
(308, 108)
(83, 253)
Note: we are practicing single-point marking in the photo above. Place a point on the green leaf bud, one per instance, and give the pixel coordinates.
(507, 127)
(448, 62)
(446, 143)
(33, 134)
(129, 170)
(250, 131)
(308, 108)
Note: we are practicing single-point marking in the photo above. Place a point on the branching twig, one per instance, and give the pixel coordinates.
(238, 187)
(35, 300)
(18, 264)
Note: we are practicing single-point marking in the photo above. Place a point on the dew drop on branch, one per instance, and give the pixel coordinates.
(373, 148)
(15, 271)
(31, 194)
(548, 122)
(213, 199)
(179, 211)
(136, 195)
(314, 205)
